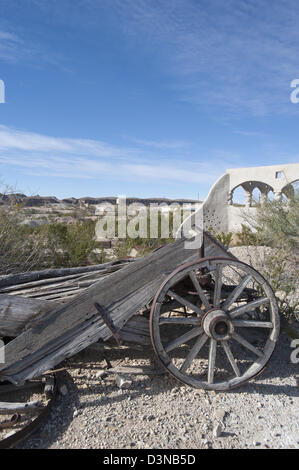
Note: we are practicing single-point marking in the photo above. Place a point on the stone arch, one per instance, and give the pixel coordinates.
(257, 196)
(255, 193)
(290, 188)
(270, 196)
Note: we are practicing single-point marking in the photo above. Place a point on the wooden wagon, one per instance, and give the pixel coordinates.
(213, 320)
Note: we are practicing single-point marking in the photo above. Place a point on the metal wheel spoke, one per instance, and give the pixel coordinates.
(183, 339)
(236, 292)
(252, 324)
(218, 285)
(199, 290)
(185, 302)
(231, 358)
(179, 321)
(248, 307)
(194, 351)
(247, 345)
(212, 360)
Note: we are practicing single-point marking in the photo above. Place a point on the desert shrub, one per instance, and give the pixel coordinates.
(146, 244)
(25, 248)
(224, 238)
(276, 225)
(247, 237)
(69, 245)
(20, 250)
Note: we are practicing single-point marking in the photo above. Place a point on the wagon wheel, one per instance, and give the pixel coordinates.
(214, 323)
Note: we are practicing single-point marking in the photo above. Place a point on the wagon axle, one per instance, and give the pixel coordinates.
(217, 324)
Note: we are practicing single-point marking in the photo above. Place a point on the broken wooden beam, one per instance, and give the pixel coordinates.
(136, 370)
(16, 313)
(31, 276)
(67, 329)
(8, 407)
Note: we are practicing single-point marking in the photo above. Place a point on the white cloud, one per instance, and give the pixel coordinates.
(28, 141)
(236, 54)
(169, 145)
(15, 49)
(42, 155)
(9, 46)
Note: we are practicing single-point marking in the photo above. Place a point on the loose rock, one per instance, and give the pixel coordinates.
(123, 382)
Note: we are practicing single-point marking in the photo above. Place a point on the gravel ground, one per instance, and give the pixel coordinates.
(157, 412)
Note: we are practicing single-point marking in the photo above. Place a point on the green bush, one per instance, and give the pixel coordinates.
(247, 237)
(224, 238)
(20, 250)
(276, 225)
(69, 245)
(25, 248)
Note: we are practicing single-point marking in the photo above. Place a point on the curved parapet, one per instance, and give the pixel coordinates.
(212, 213)
(219, 214)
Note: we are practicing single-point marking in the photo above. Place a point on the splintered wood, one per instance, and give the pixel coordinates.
(68, 328)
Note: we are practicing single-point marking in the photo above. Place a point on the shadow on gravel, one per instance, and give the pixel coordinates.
(99, 393)
(279, 366)
(44, 436)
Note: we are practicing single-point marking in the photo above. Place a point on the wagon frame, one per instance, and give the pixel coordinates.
(201, 302)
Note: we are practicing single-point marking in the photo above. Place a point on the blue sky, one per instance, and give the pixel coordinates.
(146, 98)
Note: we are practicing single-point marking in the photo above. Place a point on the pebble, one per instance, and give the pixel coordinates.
(123, 382)
(217, 430)
(165, 415)
(100, 374)
(219, 414)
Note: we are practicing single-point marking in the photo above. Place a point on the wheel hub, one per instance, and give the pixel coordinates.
(217, 325)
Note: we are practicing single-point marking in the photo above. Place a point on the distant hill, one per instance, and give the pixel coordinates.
(37, 201)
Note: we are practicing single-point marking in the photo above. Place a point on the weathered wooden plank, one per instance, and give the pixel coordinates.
(5, 389)
(6, 407)
(66, 330)
(19, 288)
(17, 312)
(38, 287)
(136, 330)
(137, 370)
(14, 279)
(70, 328)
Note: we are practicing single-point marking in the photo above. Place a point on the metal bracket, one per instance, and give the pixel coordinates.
(109, 323)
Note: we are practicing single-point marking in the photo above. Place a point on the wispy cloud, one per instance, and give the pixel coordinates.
(239, 55)
(10, 46)
(236, 54)
(251, 133)
(169, 145)
(18, 49)
(28, 141)
(42, 155)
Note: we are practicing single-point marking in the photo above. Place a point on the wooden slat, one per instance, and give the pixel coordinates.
(14, 279)
(70, 328)
(17, 312)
